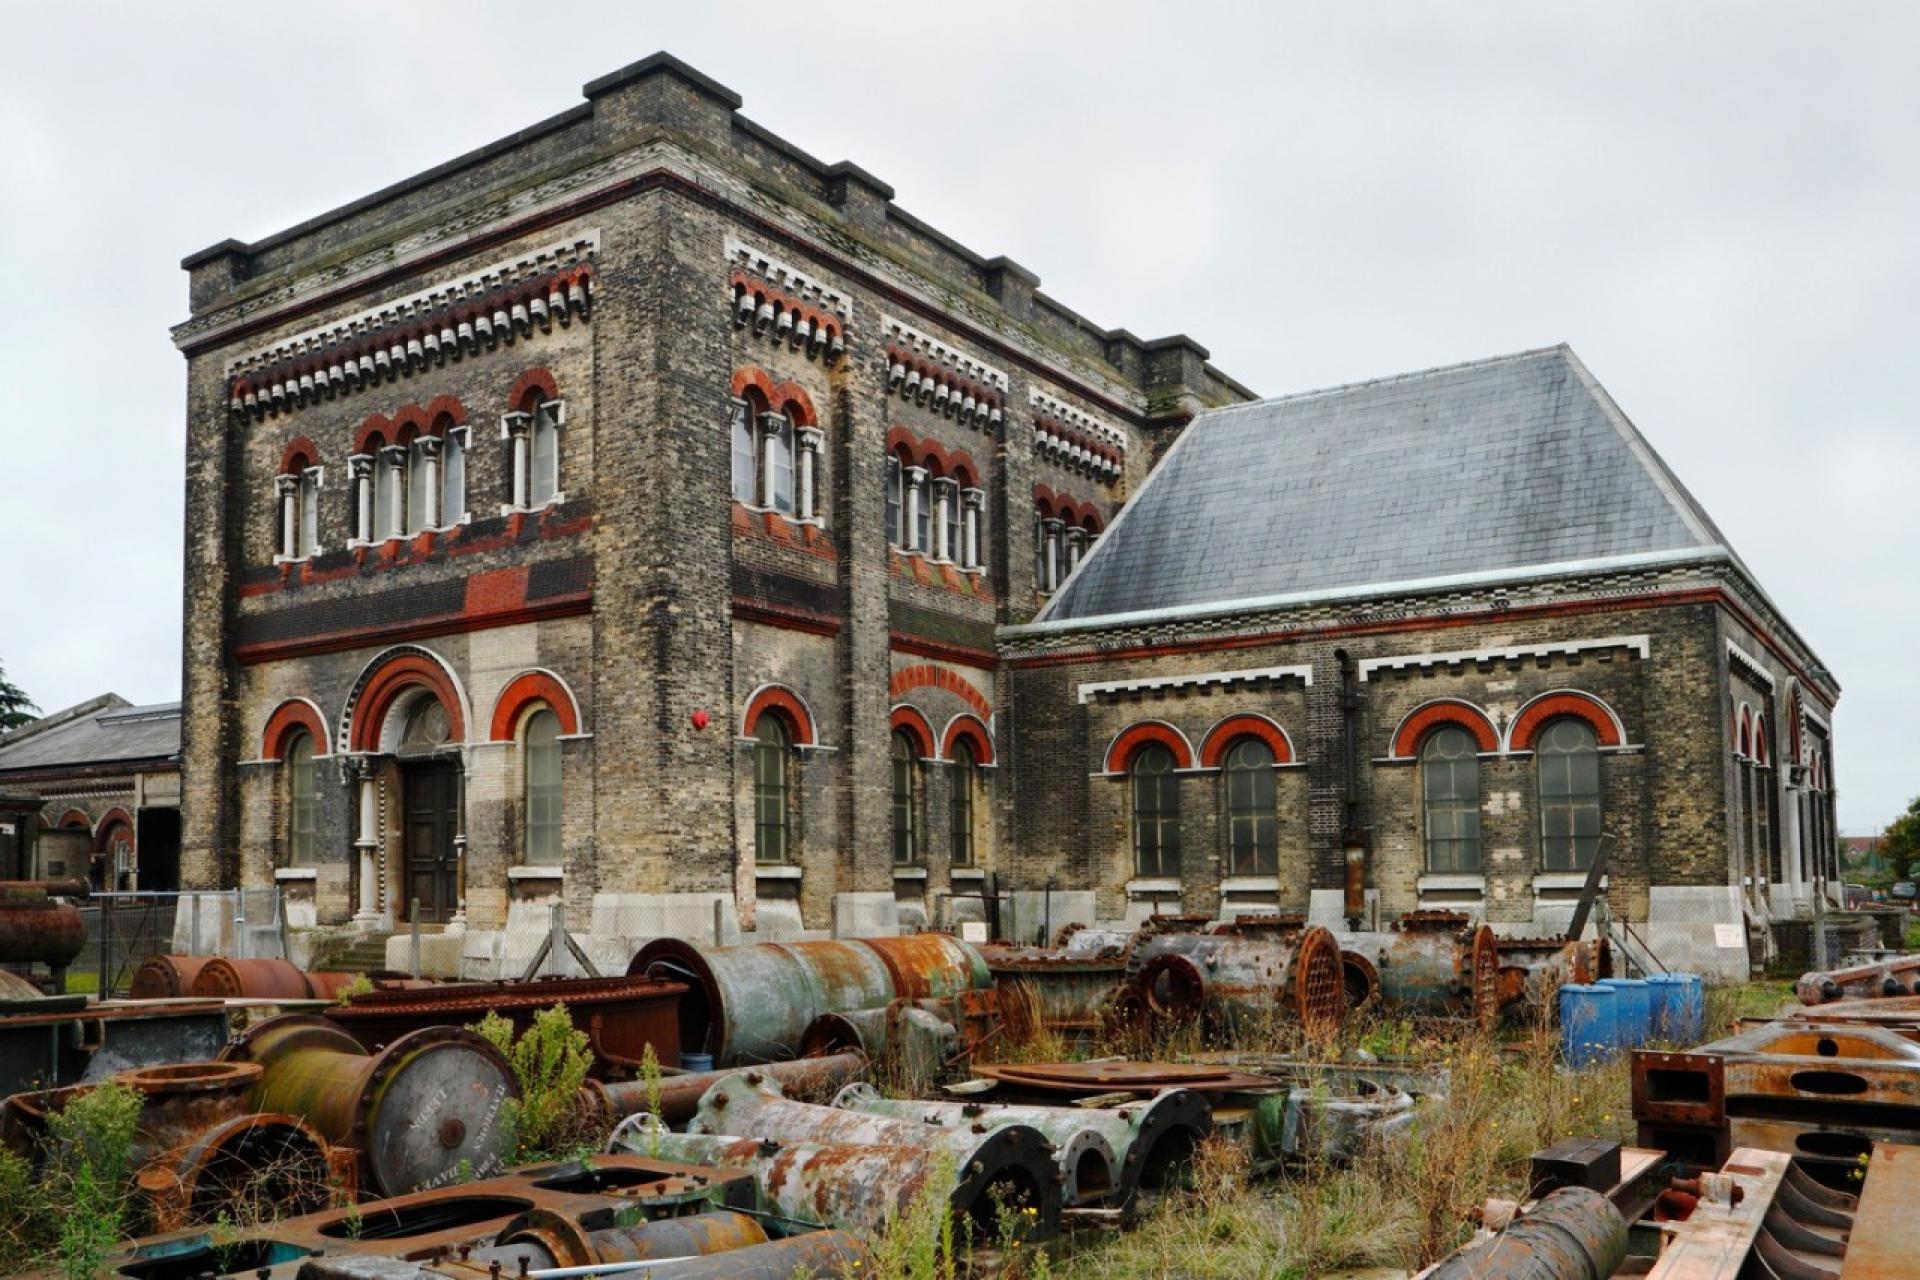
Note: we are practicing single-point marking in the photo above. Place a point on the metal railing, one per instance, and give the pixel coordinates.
(124, 928)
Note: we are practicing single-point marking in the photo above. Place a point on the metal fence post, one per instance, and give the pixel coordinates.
(557, 939)
(413, 934)
(106, 947)
(716, 922)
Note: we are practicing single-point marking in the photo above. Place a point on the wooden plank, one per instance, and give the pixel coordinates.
(1886, 1232)
(1714, 1242)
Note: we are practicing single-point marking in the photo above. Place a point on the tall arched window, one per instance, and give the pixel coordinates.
(389, 492)
(1450, 779)
(301, 794)
(741, 426)
(770, 789)
(540, 742)
(895, 494)
(960, 805)
(1156, 812)
(420, 484)
(544, 478)
(906, 802)
(1252, 834)
(1567, 756)
(778, 428)
(453, 477)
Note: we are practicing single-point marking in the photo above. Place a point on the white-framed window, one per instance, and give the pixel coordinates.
(544, 478)
(895, 502)
(302, 799)
(946, 502)
(453, 477)
(919, 495)
(420, 485)
(389, 493)
(741, 424)
(776, 434)
(540, 746)
(1450, 791)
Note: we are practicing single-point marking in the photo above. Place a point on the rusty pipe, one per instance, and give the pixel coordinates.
(678, 1096)
(1231, 979)
(166, 977)
(37, 928)
(241, 1167)
(1877, 979)
(549, 1239)
(226, 978)
(1434, 963)
(1572, 1234)
(71, 887)
(816, 1255)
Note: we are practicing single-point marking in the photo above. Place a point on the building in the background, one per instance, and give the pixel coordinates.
(640, 514)
(108, 776)
(1461, 626)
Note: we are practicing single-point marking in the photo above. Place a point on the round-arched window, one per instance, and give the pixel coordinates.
(1252, 831)
(1156, 812)
(1450, 784)
(1567, 756)
(541, 742)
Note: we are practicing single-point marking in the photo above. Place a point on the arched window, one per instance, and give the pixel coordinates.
(1450, 779)
(1568, 759)
(302, 791)
(895, 534)
(906, 802)
(777, 430)
(453, 477)
(421, 484)
(541, 743)
(960, 810)
(1156, 812)
(741, 422)
(544, 477)
(1252, 834)
(770, 753)
(389, 492)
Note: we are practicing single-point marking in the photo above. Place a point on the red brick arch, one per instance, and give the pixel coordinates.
(1550, 706)
(410, 420)
(1246, 725)
(784, 703)
(103, 830)
(75, 819)
(1127, 743)
(909, 720)
(967, 728)
(298, 455)
(927, 675)
(536, 379)
(292, 715)
(447, 407)
(783, 397)
(379, 428)
(524, 693)
(383, 687)
(1423, 719)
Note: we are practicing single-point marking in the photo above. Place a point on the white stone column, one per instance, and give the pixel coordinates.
(430, 459)
(517, 428)
(975, 500)
(395, 457)
(1076, 545)
(1055, 529)
(360, 467)
(942, 500)
(289, 487)
(911, 481)
(367, 843)
(811, 442)
(1793, 812)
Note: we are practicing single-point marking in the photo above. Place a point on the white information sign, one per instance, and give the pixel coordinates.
(973, 931)
(1728, 936)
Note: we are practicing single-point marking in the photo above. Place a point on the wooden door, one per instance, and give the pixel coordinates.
(432, 819)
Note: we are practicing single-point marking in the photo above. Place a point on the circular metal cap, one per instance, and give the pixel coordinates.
(1174, 987)
(433, 1110)
(180, 1079)
(1319, 984)
(1360, 977)
(1485, 970)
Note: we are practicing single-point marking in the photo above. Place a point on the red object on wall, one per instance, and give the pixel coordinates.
(701, 719)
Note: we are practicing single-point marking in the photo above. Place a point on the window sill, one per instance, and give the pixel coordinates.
(777, 871)
(536, 873)
(1563, 881)
(909, 873)
(1159, 888)
(1453, 882)
(1250, 884)
(967, 873)
(284, 874)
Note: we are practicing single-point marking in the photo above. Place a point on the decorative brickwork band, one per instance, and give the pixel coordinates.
(527, 692)
(926, 675)
(382, 687)
(299, 454)
(784, 703)
(1548, 706)
(1423, 719)
(909, 720)
(968, 729)
(1213, 749)
(1127, 743)
(289, 717)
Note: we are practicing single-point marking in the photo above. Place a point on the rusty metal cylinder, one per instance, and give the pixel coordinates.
(1434, 963)
(35, 928)
(177, 1103)
(1877, 980)
(1572, 1234)
(58, 888)
(225, 978)
(754, 1003)
(678, 1097)
(425, 1109)
(166, 977)
(1071, 992)
(244, 1168)
(1232, 979)
(816, 1255)
(548, 1239)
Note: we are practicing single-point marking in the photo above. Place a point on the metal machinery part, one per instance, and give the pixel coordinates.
(1084, 1079)
(166, 977)
(751, 1105)
(1531, 969)
(37, 927)
(1234, 979)
(63, 1040)
(863, 1187)
(754, 1003)
(1148, 1143)
(1877, 980)
(619, 1016)
(906, 1040)
(1071, 991)
(1434, 963)
(546, 1239)
(1314, 1123)
(1757, 1216)
(15, 987)
(225, 978)
(677, 1098)
(419, 1112)
(1885, 1238)
(1824, 1093)
(1571, 1234)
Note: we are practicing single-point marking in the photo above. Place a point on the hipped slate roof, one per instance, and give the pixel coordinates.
(99, 731)
(1516, 463)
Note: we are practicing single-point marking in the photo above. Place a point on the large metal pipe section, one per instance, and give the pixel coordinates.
(1151, 1141)
(678, 1097)
(1234, 979)
(1071, 991)
(864, 1187)
(1878, 979)
(1572, 1234)
(166, 977)
(69, 887)
(242, 1167)
(225, 978)
(816, 1255)
(423, 1110)
(38, 928)
(1434, 963)
(177, 1103)
(1532, 969)
(754, 1003)
(545, 1238)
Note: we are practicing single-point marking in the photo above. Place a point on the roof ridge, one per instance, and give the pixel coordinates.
(1342, 388)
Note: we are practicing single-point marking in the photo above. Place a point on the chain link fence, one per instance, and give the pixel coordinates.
(124, 928)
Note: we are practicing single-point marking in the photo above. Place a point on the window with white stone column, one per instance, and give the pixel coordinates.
(776, 466)
(360, 471)
(896, 499)
(812, 442)
(543, 483)
(946, 519)
(1076, 547)
(516, 429)
(974, 504)
(916, 521)
(286, 490)
(423, 485)
(453, 477)
(1055, 537)
(390, 493)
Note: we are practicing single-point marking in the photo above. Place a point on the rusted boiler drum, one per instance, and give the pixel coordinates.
(677, 1098)
(36, 927)
(1231, 978)
(420, 1110)
(1432, 962)
(1880, 979)
(1072, 992)
(226, 978)
(166, 977)
(754, 1003)
(1531, 969)
(546, 1239)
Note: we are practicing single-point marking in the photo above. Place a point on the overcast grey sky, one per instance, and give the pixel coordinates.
(1716, 204)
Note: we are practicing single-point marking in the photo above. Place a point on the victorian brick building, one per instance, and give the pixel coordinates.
(639, 510)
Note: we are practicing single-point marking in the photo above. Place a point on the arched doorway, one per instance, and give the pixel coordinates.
(430, 779)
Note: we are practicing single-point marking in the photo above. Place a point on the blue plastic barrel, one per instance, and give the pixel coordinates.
(1679, 1008)
(1634, 1013)
(1589, 1022)
(696, 1062)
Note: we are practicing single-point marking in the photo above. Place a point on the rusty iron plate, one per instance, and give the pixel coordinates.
(1885, 1241)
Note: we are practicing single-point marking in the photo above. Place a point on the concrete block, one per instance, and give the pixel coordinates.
(1036, 916)
(1698, 929)
(777, 920)
(480, 955)
(1328, 909)
(441, 954)
(644, 916)
(865, 915)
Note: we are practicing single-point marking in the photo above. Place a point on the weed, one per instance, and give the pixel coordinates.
(88, 1174)
(650, 1080)
(550, 1060)
(918, 1243)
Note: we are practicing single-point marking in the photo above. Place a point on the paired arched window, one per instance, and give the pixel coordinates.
(533, 432)
(763, 466)
(1156, 812)
(935, 511)
(540, 748)
(963, 776)
(1567, 759)
(771, 748)
(302, 799)
(297, 491)
(1450, 788)
(1252, 827)
(906, 801)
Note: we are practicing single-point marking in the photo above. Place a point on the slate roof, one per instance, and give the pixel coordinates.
(102, 730)
(1515, 463)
